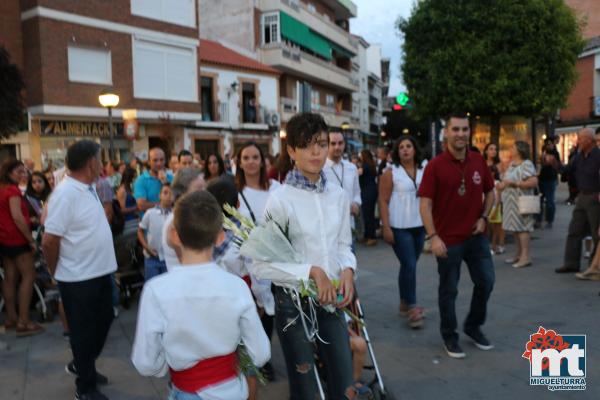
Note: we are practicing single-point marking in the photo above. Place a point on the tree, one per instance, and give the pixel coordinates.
(11, 96)
(500, 57)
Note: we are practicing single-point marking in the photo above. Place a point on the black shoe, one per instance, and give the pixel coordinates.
(453, 349)
(94, 395)
(565, 270)
(268, 372)
(100, 379)
(479, 339)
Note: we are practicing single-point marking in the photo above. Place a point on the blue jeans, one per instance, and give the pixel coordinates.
(153, 267)
(475, 251)
(176, 394)
(299, 352)
(408, 245)
(547, 189)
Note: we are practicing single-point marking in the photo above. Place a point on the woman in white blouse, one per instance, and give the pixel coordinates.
(254, 186)
(401, 220)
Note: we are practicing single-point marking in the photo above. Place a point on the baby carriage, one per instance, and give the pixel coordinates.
(130, 260)
(378, 389)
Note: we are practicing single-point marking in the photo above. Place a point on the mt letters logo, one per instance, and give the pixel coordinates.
(556, 361)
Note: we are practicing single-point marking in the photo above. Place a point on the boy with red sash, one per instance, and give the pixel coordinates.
(192, 319)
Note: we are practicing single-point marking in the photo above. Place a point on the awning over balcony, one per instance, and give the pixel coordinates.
(296, 32)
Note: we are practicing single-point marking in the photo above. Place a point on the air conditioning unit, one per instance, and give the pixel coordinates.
(273, 119)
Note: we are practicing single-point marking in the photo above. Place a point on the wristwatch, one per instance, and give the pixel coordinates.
(485, 218)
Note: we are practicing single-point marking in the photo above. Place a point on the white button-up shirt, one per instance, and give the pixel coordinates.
(344, 174)
(319, 229)
(193, 313)
(76, 215)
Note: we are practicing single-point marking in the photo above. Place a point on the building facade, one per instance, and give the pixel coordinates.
(240, 103)
(583, 105)
(145, 52)
(308, 41)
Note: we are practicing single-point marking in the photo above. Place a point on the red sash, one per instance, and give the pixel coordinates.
(205, 373)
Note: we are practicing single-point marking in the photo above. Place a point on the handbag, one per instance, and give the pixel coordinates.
(528, 203)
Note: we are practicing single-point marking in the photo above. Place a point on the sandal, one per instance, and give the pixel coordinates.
(588, 275)
(29, 330)
(9, 325)
(416, 315)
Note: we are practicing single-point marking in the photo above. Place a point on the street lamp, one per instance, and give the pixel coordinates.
(109, 100)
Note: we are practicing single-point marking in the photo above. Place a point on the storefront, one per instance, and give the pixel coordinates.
(55, 136)
(512, 129)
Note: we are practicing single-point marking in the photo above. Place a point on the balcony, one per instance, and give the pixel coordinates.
(288, 108)
(317, 22)
(332, 117)
(220, 120)
(296, 62)
(373, 102)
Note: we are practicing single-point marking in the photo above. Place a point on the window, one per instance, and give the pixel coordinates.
(330, 100)
(311, 7)
(270, 24)
(206, 99)
(315, 99)
(164, 72)
(249, 109)
(180, 12)
(89, 65)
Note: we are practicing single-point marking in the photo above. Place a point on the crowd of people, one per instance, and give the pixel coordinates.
(194, 312)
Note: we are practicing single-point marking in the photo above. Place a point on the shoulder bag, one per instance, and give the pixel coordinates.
(528, 203)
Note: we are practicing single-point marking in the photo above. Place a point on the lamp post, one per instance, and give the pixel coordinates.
(109, 100)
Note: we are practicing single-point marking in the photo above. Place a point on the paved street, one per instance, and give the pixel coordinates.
(413, 362)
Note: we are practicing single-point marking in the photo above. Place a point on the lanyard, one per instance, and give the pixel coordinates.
(341, 181)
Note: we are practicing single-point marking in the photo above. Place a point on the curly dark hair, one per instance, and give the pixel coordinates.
(396, 156)
(302, 129)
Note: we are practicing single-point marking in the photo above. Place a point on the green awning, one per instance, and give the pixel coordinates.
(341, 51)
(295, 31)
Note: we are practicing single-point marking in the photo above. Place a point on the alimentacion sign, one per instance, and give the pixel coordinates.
(79, 128)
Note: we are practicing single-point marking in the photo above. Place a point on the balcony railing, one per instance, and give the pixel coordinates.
(297, 55)
(296, 5)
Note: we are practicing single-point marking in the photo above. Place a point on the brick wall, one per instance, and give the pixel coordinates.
(589, 10)
(579, 103)
(46, 43)
(10, 30)
(110, 10)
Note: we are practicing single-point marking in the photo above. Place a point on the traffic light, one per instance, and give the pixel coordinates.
(402, 101)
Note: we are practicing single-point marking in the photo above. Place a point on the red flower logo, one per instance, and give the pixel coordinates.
(545, 339)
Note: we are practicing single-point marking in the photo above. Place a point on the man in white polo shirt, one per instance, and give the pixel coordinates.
(343, 173)
(79, 252)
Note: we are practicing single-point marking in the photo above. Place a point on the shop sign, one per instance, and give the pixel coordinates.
(79, 128)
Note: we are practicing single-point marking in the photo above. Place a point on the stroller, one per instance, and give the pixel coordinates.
(130, 260)
(380, 392)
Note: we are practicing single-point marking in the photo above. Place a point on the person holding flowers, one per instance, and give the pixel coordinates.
(192, 320)
(313, 216)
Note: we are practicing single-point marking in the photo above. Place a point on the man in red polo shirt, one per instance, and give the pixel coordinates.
(455, 198)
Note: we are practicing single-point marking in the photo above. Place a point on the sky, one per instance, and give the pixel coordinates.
(375, 22)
